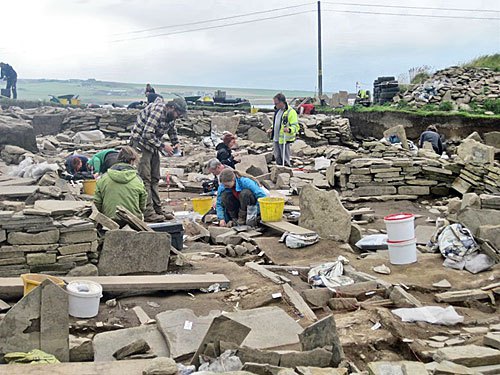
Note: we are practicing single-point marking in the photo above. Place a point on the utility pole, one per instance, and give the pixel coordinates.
(320, 69)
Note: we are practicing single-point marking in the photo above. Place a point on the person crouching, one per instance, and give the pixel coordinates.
(234, 196)
(121, 186)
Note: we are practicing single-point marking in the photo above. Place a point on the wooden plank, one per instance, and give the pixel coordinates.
(272, 267)
(298, 302)
(289, 208)
(13, 286)
(285, 226)
(491, 286)
(129, 367)
(275, 278)
(361, 211)
(462, 295)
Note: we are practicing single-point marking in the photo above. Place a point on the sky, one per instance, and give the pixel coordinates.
(100, 39)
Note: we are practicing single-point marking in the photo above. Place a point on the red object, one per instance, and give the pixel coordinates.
(308, 108)
(401, 216)
(389, 241)
(236, 193)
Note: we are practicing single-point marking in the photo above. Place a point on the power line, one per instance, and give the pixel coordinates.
(215, 27)
(412, 15)
(214, 19)
(413, 7)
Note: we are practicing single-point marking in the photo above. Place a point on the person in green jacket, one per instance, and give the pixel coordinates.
(121, 186)
(102, 161)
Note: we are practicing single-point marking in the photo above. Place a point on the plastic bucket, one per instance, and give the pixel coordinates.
(83, 298)
(202, 205)
(400, 227)
(32, 280)
(89, 187)
(402, 252)
(271, 209)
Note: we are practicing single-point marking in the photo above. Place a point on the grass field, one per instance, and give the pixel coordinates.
(100, 92)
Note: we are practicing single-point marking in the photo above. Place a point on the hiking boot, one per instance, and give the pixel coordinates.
(154, 218)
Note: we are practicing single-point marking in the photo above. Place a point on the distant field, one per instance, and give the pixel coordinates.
(100, 92)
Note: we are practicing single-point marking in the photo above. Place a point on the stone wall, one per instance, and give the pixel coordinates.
(41, 244)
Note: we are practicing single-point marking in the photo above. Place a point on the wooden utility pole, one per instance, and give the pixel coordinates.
(320, 69)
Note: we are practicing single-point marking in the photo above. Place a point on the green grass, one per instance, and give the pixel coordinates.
(486, 61)
(100, 92)
(428, 110)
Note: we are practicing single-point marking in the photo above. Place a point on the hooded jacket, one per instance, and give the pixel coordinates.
(120, 186)
(97, 162)
(225, 155)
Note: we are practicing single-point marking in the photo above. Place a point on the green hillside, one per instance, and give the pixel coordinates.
(100, 92)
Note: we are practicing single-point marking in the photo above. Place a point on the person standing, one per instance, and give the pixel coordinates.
(151, 125)
(284, 130)
(10, 75)
(121, 186)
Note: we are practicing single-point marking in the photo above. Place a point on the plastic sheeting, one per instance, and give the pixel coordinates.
(430, 314)
(330, 275)
(297, 241)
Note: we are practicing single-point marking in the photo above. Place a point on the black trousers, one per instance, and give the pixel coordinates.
(236, 208)
(12, 85)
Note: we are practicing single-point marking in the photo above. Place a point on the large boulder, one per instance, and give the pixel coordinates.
(17, 132)
(492, 139)
(472, 151)
(322, 212)
(474, 218)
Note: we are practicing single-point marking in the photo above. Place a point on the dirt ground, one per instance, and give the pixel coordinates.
(361, 343)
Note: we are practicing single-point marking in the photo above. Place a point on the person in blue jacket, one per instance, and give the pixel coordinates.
(234, 195)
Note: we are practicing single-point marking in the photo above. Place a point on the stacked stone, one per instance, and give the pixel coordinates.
(459, 85)
(118, 124)
(388, 176)
(478, 178)
(82, 121)
(40, 244)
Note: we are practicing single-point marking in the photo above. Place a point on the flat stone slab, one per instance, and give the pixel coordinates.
(18, 192)
(127, 252)
(184, 330)
(55, 208)
(106, 343)
(271, 328)
(469, 355)
(424, 233)
(397, 368)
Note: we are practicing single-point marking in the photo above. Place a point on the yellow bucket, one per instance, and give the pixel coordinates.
(254, 110)
(271, 209)
(32, 280)
(64, 101)
(202, 205)
(75, 102)
(89, 187)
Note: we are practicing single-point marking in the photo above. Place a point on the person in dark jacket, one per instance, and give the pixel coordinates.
(10, 75)
(149, 89)
(225, 152)
(431, 135)
(76, 163)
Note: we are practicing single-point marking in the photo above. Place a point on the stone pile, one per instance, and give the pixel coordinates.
(323, 129)
(458, 85)
(372, 176)
(42, 244)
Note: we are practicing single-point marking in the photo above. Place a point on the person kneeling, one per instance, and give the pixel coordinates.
(121, 186)
(234, 196)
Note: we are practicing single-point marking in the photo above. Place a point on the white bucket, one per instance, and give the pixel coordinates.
(403, 252)
(400, 227)
(83, 298)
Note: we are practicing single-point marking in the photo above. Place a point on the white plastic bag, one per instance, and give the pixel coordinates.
(227, 362)
(430, 314)
(330, 274)
(297, 241)
(373, 242)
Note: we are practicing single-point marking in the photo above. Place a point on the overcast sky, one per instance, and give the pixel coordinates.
(78, 39)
